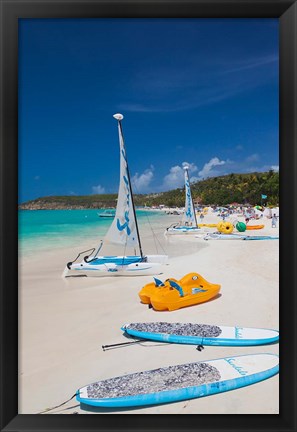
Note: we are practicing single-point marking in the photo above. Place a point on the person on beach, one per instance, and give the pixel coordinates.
(247, 221)
(273, 221)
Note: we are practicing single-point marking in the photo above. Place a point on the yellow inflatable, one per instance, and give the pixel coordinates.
(207, 225)
(190, 290)
(254, 227)
(225, 227)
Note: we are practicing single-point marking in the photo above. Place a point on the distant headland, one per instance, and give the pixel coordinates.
(223, 190)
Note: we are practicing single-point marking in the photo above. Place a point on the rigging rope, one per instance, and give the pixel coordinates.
(154, 235)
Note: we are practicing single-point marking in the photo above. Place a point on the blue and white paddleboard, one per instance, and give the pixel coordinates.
(221, 236)
(261, 238)
(201, 334)
(181, 382)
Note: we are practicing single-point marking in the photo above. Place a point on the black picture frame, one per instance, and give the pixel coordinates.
(11, 11)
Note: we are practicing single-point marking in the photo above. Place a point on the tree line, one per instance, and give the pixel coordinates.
(220, 191)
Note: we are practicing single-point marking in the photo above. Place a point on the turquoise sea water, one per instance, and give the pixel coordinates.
(47, 229)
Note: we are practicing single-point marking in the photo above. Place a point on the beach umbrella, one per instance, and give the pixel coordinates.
(258, 212)
(267, 212)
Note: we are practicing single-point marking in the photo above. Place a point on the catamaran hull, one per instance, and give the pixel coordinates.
(152, 266)
(182, 231)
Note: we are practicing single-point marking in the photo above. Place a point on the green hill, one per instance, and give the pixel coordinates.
(223, 190)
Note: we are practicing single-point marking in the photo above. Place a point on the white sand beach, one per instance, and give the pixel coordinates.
(64, 322)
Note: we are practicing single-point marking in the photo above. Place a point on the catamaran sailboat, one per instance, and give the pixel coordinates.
(123, 231)
(189, 223)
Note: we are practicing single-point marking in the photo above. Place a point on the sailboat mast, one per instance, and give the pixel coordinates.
(129, 181)
(186, 169)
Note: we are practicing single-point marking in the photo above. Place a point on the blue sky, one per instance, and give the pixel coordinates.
(197, 91)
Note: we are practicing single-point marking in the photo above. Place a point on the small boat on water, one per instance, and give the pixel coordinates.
(188, 224)
(122, 232)
(107, 214)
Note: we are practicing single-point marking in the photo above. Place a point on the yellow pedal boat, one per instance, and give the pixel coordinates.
(172, 295)
(154, 287)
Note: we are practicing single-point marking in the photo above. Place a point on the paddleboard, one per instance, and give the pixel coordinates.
(201, 334)
(180, 382)
(220, 236)
(261, 238)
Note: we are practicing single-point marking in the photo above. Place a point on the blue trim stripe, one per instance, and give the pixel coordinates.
(138, 268)
(195, 340)
(187, 228)
(116, 260)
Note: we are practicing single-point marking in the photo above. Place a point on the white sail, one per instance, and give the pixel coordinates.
(123, 229)
(189, 217)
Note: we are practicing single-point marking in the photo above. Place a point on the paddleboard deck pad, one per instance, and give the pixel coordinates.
(180, 382)
(201, 334)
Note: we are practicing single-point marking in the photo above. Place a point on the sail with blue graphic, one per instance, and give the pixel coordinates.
(123, 229)
(189, 217)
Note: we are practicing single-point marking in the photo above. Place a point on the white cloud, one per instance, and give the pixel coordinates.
(98, 189)
(207, 170)
(253, 158)
(255, 168)
(239, 147)
(190, 84)
(142, 181)
(254, 63)
(175, 178)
